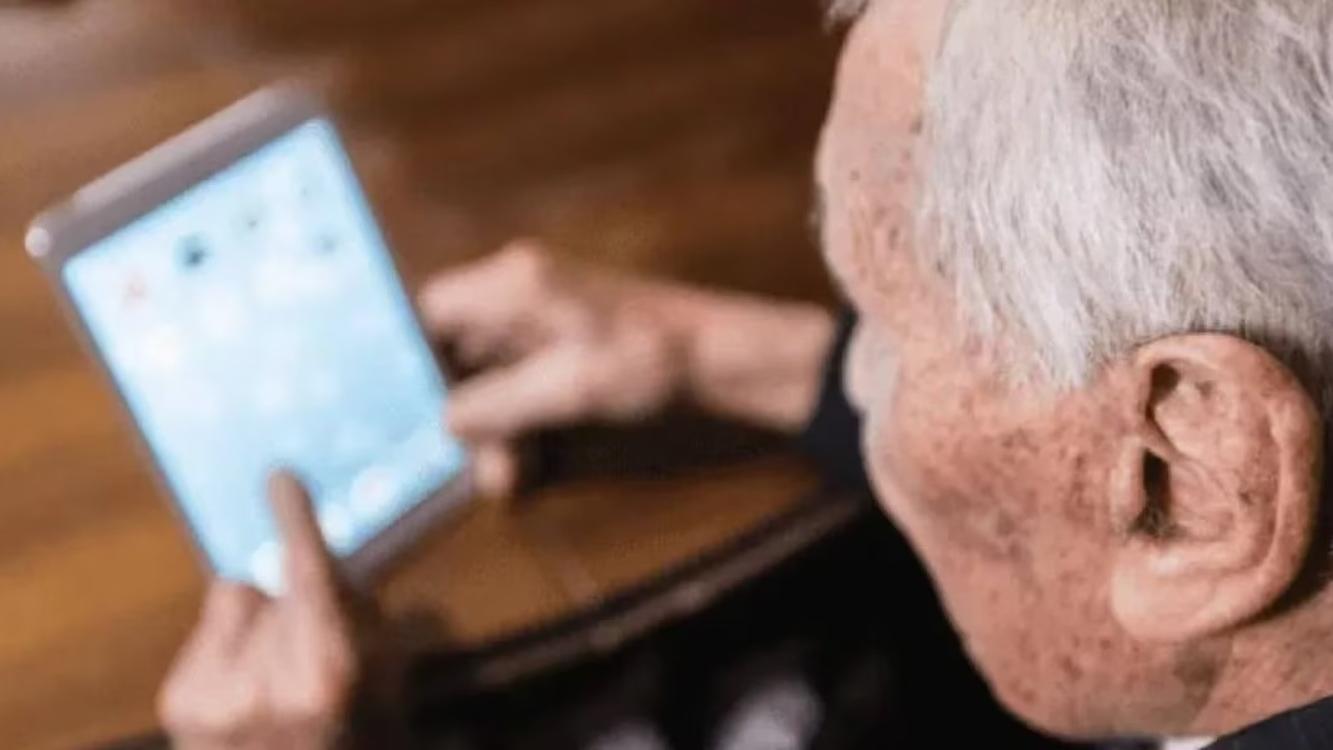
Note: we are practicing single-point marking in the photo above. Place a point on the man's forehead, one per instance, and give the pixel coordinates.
(865, 164)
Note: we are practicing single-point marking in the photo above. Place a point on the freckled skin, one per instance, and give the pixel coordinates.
(1018, 551)
(960, 464)
(1003, 491)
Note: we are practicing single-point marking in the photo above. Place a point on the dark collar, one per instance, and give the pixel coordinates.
(1306, 728)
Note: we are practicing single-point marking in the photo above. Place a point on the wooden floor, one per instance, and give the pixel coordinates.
(670, 136)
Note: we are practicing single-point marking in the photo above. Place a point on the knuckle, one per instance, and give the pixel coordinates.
(640, 377)
(237, 705)
(340, 667)
(323, 694)
(183, 698)
(173, 706)
(313, 701)
(588, 389)
(528, 248)
(233, 717)
(529, 262)
(226, 714)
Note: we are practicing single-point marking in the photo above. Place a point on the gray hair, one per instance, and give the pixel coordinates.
(1099, 174)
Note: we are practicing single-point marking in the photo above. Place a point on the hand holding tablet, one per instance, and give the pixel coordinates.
(237, 289)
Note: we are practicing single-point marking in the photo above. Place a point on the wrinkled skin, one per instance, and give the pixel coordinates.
(996, 491)
(1010, 494)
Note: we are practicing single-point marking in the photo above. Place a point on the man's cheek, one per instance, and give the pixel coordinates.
(928, 477)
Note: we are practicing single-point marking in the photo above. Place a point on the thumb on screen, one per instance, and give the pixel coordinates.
(307, 565)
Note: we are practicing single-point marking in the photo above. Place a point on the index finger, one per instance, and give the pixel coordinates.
(487, 294)
(308, 569)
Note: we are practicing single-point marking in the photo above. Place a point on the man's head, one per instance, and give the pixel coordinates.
(1092, 249)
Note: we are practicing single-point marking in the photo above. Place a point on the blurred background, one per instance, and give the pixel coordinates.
(672, 137)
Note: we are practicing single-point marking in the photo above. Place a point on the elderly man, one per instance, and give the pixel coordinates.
(1091, 250)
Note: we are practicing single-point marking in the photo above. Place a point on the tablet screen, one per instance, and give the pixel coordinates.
(256, 321)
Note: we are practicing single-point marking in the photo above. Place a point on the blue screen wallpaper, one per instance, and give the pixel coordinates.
(256, 322)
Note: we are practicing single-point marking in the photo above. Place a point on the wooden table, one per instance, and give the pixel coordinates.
(668, 136)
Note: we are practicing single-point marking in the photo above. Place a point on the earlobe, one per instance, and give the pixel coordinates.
(1215, 494)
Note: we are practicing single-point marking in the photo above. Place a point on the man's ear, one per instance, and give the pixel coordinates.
(1216, 493)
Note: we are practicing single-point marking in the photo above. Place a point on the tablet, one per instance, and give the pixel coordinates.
(236, 288)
